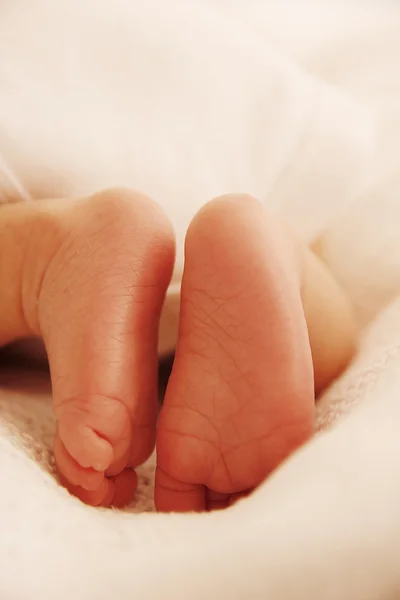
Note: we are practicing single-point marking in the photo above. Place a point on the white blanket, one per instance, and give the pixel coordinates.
(187, 100)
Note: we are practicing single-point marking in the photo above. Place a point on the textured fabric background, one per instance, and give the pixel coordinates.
(303, 113)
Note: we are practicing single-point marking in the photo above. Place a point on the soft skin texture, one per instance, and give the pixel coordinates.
(241, 395)
(90, 277)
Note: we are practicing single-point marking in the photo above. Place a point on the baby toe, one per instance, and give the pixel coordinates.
(125, 485)
(96, 431)
(115, 492)
(78, 476)
(101, 496)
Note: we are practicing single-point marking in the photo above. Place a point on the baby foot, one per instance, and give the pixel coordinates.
(241, 394)
(98, 308)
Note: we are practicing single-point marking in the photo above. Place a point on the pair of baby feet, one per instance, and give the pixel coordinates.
(90, 277)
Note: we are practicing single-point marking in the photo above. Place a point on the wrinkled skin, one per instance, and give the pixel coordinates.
(90, 277)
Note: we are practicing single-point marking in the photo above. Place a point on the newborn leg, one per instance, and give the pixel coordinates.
(90, 276)
(257, 309)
